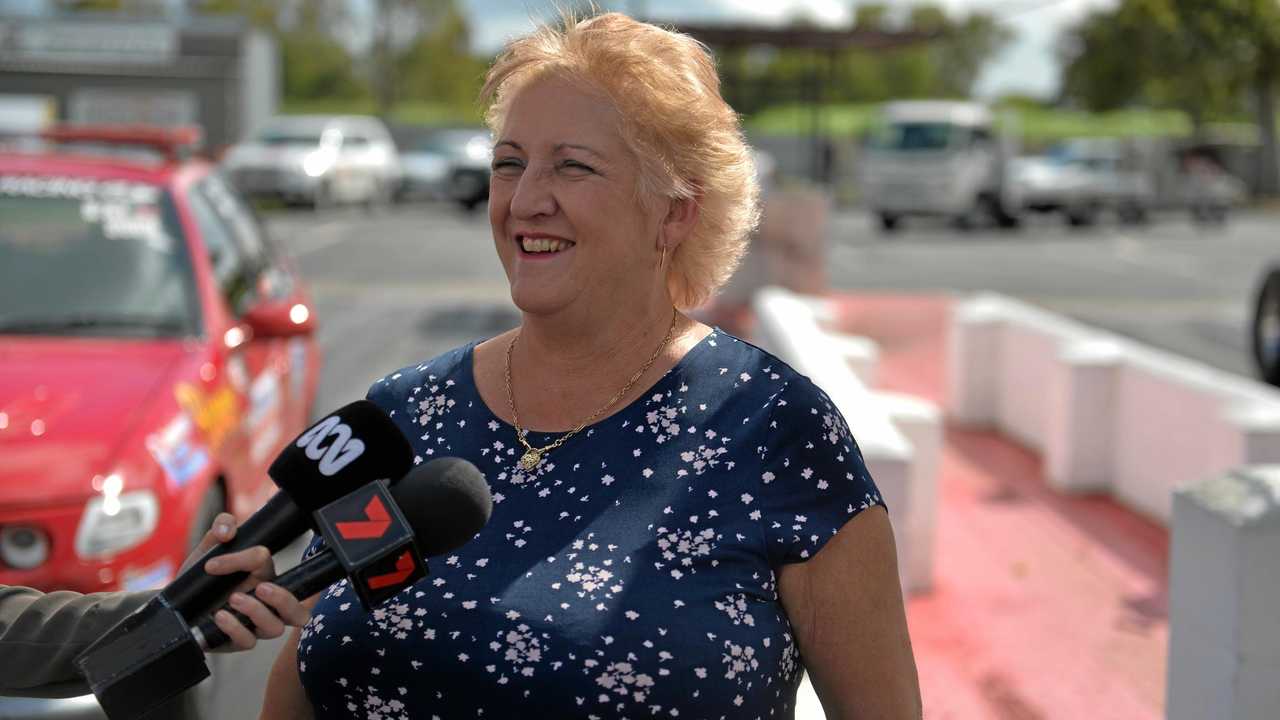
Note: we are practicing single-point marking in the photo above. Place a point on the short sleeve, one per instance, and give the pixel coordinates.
(814, 478)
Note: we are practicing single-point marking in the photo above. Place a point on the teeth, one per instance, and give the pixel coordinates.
(542, 245)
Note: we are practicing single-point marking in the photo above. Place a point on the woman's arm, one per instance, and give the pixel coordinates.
(285, 699)
(846, 609)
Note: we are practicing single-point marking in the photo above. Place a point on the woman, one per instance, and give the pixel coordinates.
(667, 497)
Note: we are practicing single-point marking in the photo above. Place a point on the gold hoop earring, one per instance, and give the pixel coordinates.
(663, 261)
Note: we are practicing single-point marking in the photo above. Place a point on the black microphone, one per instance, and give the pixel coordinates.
(445, 503)
(352, 446)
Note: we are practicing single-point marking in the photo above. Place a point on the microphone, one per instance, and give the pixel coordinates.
(346, 450)
(445, 503)
(148, 659)
(354, 445)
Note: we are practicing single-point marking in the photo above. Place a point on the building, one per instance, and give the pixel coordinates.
(217, 72)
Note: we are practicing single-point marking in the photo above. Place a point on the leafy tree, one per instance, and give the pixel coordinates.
(1246, 35)
(1200, 56)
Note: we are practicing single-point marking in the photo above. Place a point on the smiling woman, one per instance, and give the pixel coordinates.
(682, 524)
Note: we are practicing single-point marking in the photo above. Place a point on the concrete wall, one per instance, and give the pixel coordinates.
(1107, 413)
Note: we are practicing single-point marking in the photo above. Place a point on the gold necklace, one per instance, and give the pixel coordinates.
(532, 455)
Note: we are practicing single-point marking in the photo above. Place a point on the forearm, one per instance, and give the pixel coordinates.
(41, 634)
(285, 698)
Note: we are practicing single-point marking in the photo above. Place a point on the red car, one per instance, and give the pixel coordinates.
(156, 352)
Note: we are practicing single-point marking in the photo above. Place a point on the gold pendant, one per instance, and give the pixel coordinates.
(529, 460)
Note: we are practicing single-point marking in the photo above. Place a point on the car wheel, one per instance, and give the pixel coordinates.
(193, 704)
(322, 197)
(213, 502)
(889, 223)
(379, 198)
(1266, 328)
(1083, 216)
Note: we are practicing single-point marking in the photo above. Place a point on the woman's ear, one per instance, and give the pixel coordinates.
(682, 216)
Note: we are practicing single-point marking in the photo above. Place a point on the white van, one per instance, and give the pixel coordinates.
(938, 158)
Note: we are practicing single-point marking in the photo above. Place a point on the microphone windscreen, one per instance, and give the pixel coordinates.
(351, 446)
(446, 501)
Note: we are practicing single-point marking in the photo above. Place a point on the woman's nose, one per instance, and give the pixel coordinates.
(533, 195)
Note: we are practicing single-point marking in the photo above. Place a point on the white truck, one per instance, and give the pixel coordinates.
(938, 158)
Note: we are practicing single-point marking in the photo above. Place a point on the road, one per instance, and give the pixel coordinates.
(1186, 289)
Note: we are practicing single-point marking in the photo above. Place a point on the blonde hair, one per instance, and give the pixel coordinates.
(687, 140)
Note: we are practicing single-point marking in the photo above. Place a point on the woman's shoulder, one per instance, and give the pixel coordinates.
(793, 398)
(452, 367)
(746, 357)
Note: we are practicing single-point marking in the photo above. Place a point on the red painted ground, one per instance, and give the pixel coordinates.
(1044, 606)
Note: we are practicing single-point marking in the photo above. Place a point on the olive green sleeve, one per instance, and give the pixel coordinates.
(42, 633)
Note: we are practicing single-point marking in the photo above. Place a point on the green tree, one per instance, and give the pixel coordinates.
(438, 65)
(420, 47)
(1246, 35)
(1140, 52)
(1200, 56)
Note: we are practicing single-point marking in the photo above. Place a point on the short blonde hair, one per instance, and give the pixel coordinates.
(686, 138)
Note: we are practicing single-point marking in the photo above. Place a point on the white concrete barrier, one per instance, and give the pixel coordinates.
(1107, 413)
(1224, 591)
(899, 436)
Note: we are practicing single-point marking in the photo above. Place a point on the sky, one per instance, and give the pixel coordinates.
(1027, 65)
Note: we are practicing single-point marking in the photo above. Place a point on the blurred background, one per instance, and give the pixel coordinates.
(1112, 161)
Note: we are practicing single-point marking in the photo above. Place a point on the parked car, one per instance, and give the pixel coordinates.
(450, 164)
(318, 160)
(938, 158)
(1265, 336)
(157, 352)
(1085, 177)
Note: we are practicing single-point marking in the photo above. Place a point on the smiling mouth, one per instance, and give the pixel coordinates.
(543, 246)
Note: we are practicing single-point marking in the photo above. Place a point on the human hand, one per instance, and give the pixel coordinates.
(270, 607)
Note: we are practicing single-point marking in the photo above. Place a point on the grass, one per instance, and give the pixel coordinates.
(1034, 126)
(406, 113)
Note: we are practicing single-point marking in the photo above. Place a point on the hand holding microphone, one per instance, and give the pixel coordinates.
(444, 503)
(270, 610)
(153, 651)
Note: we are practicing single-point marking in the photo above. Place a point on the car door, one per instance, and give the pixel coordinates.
(255, 368)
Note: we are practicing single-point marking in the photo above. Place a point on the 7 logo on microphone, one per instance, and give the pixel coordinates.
(374, 542)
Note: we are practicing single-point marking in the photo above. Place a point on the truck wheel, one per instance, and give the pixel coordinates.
(1132, 214)
(1082, 216)
(1266, 328)
(889, 223)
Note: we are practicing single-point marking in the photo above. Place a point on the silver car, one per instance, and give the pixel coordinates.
(318, 160)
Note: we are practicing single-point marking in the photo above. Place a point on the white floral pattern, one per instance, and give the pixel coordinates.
(630, 574)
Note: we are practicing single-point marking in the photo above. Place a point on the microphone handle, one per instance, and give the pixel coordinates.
(276, 524)
(303, 580)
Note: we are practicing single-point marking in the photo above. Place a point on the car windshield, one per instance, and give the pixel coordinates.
(453, 142)
(914, 136)
(89, 257)
(284, 136)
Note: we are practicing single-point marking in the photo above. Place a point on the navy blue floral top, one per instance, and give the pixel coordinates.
(629, 575)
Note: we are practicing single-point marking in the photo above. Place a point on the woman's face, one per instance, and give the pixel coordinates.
(563, 205)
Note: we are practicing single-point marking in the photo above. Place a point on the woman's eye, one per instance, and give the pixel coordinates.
(575, 165)
(507, 165)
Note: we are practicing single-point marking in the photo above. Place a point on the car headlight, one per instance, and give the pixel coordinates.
(317, 163)
(23, 547)
(115, 521)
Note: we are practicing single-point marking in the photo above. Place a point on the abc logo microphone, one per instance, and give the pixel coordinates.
(153, 648)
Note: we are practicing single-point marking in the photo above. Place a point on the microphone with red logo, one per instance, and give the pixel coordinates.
(378, 539)
(377, 536)
(350, 448)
